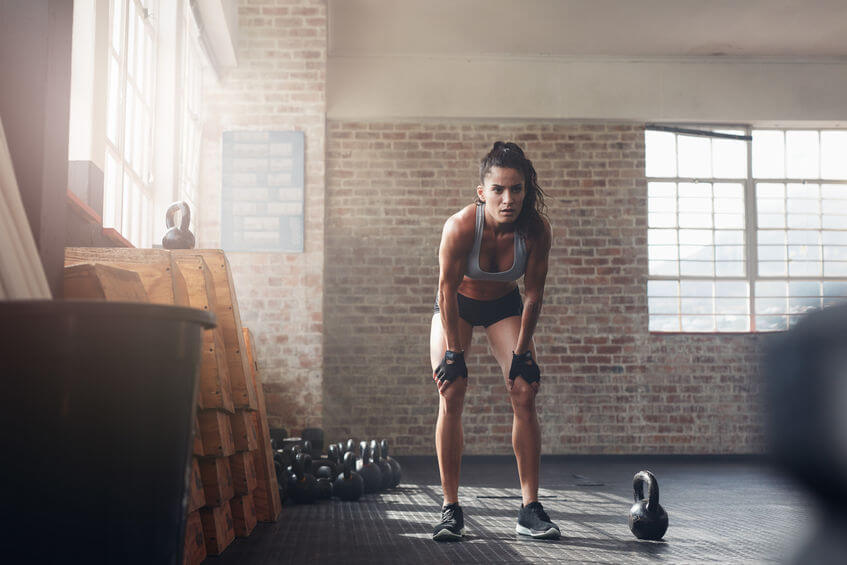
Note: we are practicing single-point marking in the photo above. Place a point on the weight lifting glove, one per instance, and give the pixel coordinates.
(524, 366)
(451, 367)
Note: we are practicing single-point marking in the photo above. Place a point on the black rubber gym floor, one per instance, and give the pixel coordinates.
(723, 510)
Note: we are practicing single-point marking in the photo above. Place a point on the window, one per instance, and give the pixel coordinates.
(191, 130)
(747, 229)
(128, 188)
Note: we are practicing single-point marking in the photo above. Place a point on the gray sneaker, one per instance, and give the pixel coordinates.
(534, 521)
(452, 525)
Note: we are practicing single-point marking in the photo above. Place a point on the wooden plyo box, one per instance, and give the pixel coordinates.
(218, 528)
(229, 320)
(243, 431)
(197, 496)
(216, 433)
(96, 281)
(243, 515)
(156, 268)
(215, 389)
(243, 472)
(217, 480)
(266, 495)
(195, 543)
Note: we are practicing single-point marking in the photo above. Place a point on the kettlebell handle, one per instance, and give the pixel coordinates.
(185, 215)
(652, 489)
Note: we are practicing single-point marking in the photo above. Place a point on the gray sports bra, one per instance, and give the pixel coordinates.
(474, 272)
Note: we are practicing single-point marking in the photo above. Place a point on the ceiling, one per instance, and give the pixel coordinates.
(583, 28)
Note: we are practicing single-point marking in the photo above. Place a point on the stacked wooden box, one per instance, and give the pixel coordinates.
(227, 492)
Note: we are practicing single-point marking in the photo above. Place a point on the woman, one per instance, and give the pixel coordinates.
(485, 248)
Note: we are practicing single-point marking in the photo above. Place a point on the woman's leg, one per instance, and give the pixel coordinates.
(526, 433)
(448, 428)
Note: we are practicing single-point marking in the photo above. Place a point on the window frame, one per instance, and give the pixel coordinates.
(751, 231)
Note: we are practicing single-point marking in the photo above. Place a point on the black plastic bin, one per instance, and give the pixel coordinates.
(97, 419)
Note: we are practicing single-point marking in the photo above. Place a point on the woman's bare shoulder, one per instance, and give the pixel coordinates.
(462, 222)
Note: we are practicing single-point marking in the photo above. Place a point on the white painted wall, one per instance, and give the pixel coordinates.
(759, 91)
(758, 61)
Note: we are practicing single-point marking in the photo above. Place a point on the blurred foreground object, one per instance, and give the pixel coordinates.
(806, 372)
(21, 272)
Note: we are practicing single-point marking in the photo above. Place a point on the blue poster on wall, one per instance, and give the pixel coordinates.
(262, 191)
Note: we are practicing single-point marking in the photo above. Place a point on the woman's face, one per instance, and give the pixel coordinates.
(503, 192)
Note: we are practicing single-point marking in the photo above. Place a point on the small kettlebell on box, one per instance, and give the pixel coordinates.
(647, 519)
(178, 237)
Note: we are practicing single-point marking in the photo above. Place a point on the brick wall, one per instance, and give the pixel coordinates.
(609, 386)
(279, 84)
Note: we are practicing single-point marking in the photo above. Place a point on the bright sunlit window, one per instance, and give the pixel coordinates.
(128, 186)
(747, 229)
(191, 130)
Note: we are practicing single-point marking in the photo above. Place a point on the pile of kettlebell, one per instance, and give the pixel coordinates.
(305, 474)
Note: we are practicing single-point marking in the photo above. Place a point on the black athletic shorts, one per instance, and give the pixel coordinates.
(487, 312)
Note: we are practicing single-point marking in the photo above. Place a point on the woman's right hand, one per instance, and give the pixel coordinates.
(452, 366)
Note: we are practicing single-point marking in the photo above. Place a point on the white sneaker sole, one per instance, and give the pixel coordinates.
(551, 533)
(447, 535)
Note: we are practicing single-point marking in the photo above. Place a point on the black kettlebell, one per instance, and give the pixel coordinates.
(396, 470)
(349, 484)
(305, 488)
(384, 466)
(647, 518)
(178, 237)
(370, 471)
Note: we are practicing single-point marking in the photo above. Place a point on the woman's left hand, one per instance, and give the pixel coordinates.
(525, 367)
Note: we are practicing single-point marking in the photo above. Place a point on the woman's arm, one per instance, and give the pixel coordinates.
(452, 258)
(534, 279)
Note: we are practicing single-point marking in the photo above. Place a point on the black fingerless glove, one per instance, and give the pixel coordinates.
(524, 366)
(451, 367)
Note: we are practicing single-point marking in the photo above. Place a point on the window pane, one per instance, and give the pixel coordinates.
(117, 25)
(662, 288)
(664, 324)
(771, 323)
(768, 154)
(663, 305)
(731, 305)
(698, 323)
(660, 153)
(802, 149)
(835, 269)
(804, 269)
(661, 237)
(695, 159)
(834, 155)
(696, 269)
(803, 304)
(729, 158)
(732, 323)
(663, 268)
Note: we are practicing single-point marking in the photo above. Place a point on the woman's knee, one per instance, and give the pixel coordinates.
(453, 399)
(523, 396)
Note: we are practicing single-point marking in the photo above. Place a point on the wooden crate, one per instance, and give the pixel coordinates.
(266, 495)
(243, 515)
(229, 320)
(243, 472)
(198, 450)
(195, 542)
(197, 495)
(214, 383)
(96, 281)
(216, 433)
(218, 528)
(157, 269)
(217, 480)
(243, 431)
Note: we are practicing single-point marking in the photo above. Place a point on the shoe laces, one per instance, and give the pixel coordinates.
(448, 513)
(538, 510)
